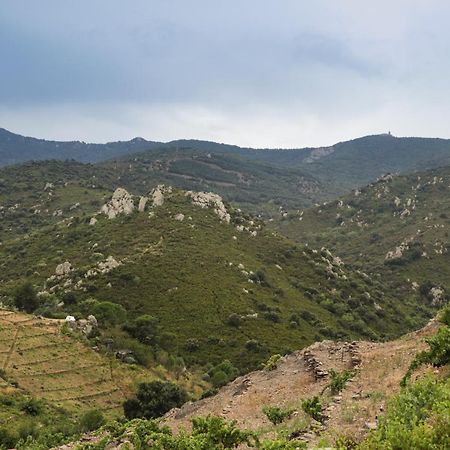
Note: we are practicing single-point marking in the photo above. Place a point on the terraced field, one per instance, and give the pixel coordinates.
(50, 365)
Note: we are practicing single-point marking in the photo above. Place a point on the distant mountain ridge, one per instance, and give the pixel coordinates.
(263, 181)
(15, 149)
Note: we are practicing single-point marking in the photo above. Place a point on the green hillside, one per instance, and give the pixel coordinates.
(217, 290)
(262, 181)
(397, 227)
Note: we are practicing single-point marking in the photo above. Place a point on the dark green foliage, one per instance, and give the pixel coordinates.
(417, 418)
(154, 399)
(32, 407)
(69, 298)
(277, 415)
(25, 297)
(234, 320)
(91, 420)
(222, 373)
(438, 354)
(145, 329)
(108, 313)
(313, 407)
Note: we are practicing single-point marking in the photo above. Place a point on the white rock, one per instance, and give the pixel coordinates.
(209, 199)
(63, 269)
(158, 194)
(120, 203)
(142, 202)
(179, 217)
(109, 264)
(93, 221)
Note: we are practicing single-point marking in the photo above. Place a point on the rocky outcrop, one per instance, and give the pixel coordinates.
(437, 296)
(63, 269)
(158, 194)
(209, 199)
(142, 202)
(120, 203)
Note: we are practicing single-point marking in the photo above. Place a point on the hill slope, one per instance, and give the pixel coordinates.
(378, 370)
(221, 290)
(397, 227)
(260, 179)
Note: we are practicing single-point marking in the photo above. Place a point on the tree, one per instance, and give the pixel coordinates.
(25, 298)
(154, 399)
(109, 313)
(144, 328)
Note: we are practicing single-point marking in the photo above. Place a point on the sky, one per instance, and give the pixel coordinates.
(259, 73)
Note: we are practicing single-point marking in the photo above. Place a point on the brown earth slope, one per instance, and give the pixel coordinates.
(378, 367)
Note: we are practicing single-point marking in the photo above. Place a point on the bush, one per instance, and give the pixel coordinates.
(108, 313)
(417, 418)
(272, 316)
(272, 362)
(339, 380)
(32, 407)
(25, 298)
(223, 373)
(154, 399)
(91, 420)
(234, 320)
(144, 328)
(313, 407)
(277, 415)
(438, 355)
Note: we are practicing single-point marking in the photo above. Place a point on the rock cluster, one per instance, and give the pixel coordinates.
(158, 194)
(314, 365)
(209, 199)
(63, 269)
(84, 326)
(120, 203)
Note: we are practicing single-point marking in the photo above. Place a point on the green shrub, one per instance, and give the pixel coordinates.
(108, 313)
(91, 420)
(313, 407)
(32, 407)
(222, 373)
(438, 355)
(277, 415)
(417, 418)
(144, 328)
(25, 298)
(339, 380)
(272, 362)
(154, 399)
(234, 320)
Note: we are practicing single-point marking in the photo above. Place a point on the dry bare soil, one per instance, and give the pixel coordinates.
(379, 367)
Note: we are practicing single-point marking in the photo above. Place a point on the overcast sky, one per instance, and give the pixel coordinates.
(278, 73)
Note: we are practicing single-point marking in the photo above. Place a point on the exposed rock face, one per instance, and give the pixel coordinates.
(93, 221)
(179, 217)
(120, 203)
(142, 202)
(438, 296)
(63, 269)
(158, 194)
(319, 153)
(109, 264)
(207, 199)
